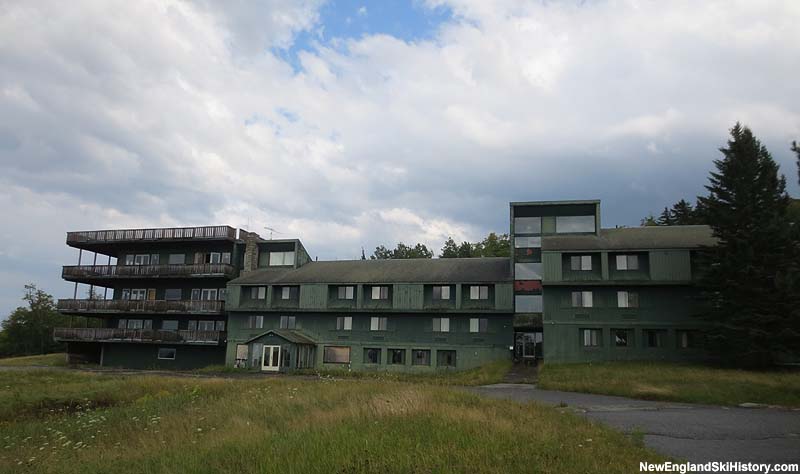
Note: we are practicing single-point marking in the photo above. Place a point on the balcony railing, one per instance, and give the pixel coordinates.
(144, 271)
(141, 306)
(138, 335)
(167, 233)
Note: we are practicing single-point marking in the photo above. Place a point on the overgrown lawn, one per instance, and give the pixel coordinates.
(675, 382)
(79, 422)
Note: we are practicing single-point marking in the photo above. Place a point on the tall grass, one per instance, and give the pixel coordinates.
(156, 424)
(490, 373)
(48, 360)
(675, 382)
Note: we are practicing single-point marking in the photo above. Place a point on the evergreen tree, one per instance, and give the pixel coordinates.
(682, 213)
(796, 149)
(665, 218)
(449, 249)
(750, 282)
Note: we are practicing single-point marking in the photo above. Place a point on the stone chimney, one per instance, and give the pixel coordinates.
(250, 252)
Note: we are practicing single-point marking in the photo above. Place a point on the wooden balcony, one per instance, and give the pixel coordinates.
(91, 273)
(141, 306)
(108, 241)
(151, 336)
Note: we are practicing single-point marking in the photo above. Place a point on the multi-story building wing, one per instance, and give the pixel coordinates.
(569, 291)
(157, 294)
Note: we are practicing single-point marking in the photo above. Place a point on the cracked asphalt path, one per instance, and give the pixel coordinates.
(697, 433)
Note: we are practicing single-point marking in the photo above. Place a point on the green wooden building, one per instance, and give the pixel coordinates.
(570, 291)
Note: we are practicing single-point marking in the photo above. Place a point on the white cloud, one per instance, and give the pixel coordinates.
(167, 112)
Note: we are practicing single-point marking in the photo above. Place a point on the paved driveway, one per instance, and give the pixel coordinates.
(697, 433)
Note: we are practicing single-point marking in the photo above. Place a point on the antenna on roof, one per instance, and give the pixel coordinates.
(271, 230)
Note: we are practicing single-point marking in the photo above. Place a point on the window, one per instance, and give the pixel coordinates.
(177, 259)
(169, 325)
(344, 323)
(478, 292)
(420, 357)
(441, 292)
(226, 257)
(570, 224)
(289, 292)
(214, 257)
(397, 356)
(191, 326)
(528, 271)
(195, 294)
(129, 259)
(372, 356)
(141, 260)
(445, 358)
(255, 322)
(688, 339)
(258, 292)
(167, 353)
(122, 323)
(346, 292)
(126, 294)
(377, 324)
(173, 294)
(478, 325)
(208, 294)
(134, 324)
(591, 337)
(655, 337)
(527, 242)
(219, 326)
(627, 262)
(441, 324)
(138, 294)
(580, 262)
(627, 299)
(528, 303)
(222, 294)
(336, 355)
(581, 299)
(622, 337)
(205, 325)
(380, 293)
(281, 258)
(527, 225)
(287, 322)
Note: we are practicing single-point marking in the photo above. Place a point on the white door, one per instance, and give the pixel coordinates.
(270, 361)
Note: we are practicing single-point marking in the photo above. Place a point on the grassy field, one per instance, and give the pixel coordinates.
(49, 360)
(71, 422)
(673, 382)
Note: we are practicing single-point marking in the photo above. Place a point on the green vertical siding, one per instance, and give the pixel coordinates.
(504, 297)
(551, 262)
(313, 296)
(670, 265)
(408, 296)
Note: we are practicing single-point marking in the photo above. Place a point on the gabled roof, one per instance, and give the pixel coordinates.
(635, 238)
(418, 270)
(290, 335)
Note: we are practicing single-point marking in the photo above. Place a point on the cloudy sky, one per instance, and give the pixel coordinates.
(351, 124)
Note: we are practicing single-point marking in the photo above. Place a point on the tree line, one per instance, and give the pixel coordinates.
(493, 245)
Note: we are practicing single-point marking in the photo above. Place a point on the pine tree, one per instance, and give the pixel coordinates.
(796, 149)
(682, 213)
(665, 218)
(750, 282)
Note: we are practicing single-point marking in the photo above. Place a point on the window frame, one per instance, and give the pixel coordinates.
(255, 321)
(344, 323)
(378, 323)
(478, 325)
(414, 353)
(325, 355)
(441, 325)
(478, 292)
(628, 338)
(582, 299)
(287, 322)
(391, 352)
(594, 339)
(346, 292)
(173, 350)
(441, 352)
(368, 350)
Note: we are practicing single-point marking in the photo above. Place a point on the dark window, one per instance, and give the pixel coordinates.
(688, 339)
(655, 337)
(287, 322)
(397, 356)
(167, 353)
(255, 322)
(220, 325)
(336, 355)
(420, 357)
(446, 358)
(169, 325)
(622, 337)
(441, 292)
(372, 356)
(173, 294)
